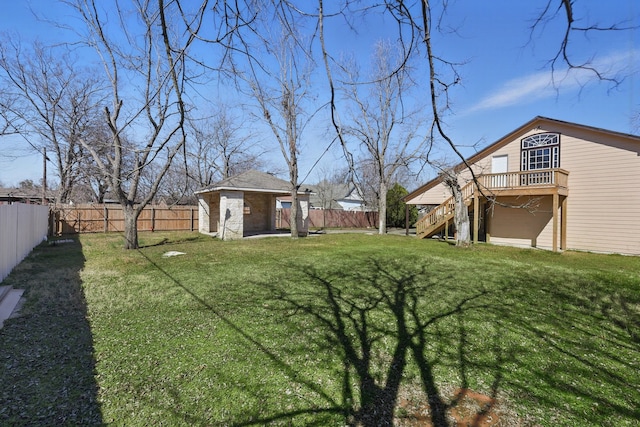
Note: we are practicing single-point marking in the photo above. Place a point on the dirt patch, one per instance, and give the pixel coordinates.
(465, 408)
(474, 409)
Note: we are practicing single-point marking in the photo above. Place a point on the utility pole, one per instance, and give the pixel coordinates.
(44, 175)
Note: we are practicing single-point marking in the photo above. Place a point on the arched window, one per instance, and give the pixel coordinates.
(540, 151)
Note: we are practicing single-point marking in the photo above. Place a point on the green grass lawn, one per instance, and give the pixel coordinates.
(329, 330)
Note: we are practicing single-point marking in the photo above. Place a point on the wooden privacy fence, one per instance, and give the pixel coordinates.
(331, 218)
(99, 218)
(22, 227)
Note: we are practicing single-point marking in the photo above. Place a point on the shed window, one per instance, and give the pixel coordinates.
(247, 209)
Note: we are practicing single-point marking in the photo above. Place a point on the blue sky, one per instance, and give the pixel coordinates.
(506, 80)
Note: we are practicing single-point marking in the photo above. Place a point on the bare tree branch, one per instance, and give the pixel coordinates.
(564, 55)
(150, 128)
(52, 102)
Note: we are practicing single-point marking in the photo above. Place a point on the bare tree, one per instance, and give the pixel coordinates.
(635, 122)
(52, 103)
(92, 184)
(449, 177)
(574, 24)
(416, 26)
(143, 52)
(176, 187)
(364, 174)
(221, 147)
(279, 82)
(441, 82)
(329, 186)
(7, 125)
(383, 121)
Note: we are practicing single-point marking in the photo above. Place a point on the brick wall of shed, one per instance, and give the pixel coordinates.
(231, 218)
(260, 215)
(214, 212)
(208, 213)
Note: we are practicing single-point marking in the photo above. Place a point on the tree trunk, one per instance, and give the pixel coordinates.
(382, 208)
(461, 219)
(130, 227)
(63, 194)
(295, 213)
(102, 192)
(293, 176)
(461, 214)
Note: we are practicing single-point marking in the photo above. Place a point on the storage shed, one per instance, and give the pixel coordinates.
(246, 204)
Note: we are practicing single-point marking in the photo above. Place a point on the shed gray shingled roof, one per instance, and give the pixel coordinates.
(251, 180)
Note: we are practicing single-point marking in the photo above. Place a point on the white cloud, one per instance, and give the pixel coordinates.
(546, 84)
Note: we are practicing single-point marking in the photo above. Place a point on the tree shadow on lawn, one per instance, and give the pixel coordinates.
(355, 311)
(392, 323)
(585, 332)
(388, 302)
(287, 369)
(563, 342)
(47, 364)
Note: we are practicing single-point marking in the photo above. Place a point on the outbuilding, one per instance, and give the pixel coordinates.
(246, 204)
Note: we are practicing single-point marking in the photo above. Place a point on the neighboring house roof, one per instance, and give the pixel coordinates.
(352, 193)
(23, 195)
(251, 180)
(329, 196)
(537, 121)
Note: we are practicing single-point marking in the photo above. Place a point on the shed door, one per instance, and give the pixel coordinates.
(499, 164)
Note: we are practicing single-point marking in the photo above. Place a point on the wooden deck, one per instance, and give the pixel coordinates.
(545, 182)
(540, 182)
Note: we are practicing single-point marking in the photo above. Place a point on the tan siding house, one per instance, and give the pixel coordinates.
(548, 184)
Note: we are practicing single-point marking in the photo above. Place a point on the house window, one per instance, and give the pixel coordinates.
(540, 151)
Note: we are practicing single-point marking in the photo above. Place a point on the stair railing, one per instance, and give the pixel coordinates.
(441, 213)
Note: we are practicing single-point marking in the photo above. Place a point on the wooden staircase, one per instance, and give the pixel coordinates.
(9, 299)
(436, 219)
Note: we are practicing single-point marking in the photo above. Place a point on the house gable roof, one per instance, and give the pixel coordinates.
(329, 196)
(538, 121)
(251, 180)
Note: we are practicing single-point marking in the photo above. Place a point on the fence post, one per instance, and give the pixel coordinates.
(54, 222)
(153, 218)
(79, 220)
(106, 217)
(191, 219)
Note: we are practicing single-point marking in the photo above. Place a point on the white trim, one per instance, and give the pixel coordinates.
(249, 190)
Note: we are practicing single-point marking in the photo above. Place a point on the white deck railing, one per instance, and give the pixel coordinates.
(494, 181)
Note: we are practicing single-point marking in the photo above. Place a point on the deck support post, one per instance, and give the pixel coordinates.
(476, 218)
(487, 221)
(555, 221)
(563, 224)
